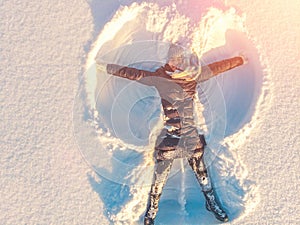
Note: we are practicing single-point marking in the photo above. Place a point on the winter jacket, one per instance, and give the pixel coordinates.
(180, 137)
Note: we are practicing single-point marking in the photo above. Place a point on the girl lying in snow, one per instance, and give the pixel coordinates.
(176, 83)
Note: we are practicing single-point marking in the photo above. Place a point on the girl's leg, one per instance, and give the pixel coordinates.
(198, 166)
(162, 170)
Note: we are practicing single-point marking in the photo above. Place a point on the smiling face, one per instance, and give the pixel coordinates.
(185, 65)
(176, 63)
(181, 59)
(176, 57)
(184, 62)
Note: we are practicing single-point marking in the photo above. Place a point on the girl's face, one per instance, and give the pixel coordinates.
(185, 66)
(183, 62)
(177, 63)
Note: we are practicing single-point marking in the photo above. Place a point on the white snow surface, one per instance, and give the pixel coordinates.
(60, 162)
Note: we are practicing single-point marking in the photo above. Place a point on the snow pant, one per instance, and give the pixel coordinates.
(162, 170)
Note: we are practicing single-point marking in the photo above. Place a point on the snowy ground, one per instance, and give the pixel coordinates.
(45, 170)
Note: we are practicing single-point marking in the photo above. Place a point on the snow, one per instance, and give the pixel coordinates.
(51, 153)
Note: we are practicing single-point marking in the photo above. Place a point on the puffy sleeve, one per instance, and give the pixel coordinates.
(216, 68)
(127, 72)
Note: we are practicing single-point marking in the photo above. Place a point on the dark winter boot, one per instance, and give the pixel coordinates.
(198, 166)
(151, 209)
(148, 221)
(213, 206)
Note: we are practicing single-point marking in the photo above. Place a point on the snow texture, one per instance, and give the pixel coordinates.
(60, 157)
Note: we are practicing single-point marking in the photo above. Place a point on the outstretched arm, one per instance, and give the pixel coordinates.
(216, 68)
(124, 71)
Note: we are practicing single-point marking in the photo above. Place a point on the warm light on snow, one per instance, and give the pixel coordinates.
(60, 162)
(204, 36)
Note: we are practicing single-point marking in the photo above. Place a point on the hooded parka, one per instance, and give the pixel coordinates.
(179, 137)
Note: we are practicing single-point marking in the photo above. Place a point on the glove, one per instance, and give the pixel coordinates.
(245, 58)
(101, 67)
